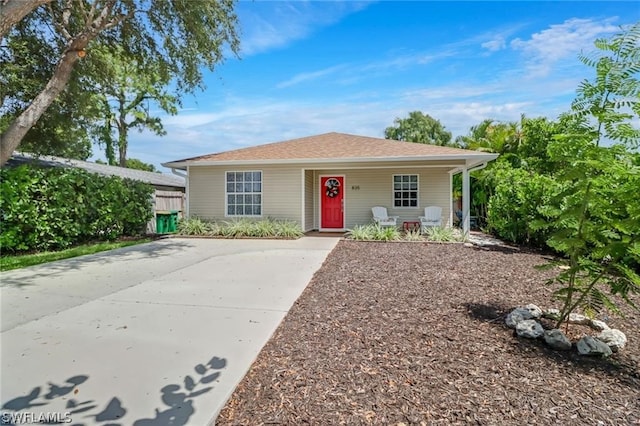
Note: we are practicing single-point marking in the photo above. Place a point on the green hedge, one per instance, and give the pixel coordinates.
(54, 208)
(513, 209)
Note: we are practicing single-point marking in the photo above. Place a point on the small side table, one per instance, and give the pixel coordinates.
(411, 225)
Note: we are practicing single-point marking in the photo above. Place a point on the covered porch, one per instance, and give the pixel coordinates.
(336, 198)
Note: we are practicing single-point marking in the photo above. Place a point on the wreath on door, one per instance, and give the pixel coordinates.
(333, 188)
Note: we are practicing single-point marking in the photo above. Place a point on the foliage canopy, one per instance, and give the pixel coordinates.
(174, 40)
(420, 128)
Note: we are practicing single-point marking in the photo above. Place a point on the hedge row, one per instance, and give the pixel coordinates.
(54, 208)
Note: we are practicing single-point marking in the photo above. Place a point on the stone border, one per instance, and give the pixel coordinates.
(525, 321)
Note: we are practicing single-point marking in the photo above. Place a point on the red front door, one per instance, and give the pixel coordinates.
(332, 202)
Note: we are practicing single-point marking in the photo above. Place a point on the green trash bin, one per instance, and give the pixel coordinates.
(163, 220)
(173, 221)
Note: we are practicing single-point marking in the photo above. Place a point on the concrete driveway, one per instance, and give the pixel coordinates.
(154, 334)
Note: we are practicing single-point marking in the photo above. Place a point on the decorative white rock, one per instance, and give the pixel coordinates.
(534, 311)
(557, 340)
(530, 329)
(613, 338)
(579, 319)
(593, 347)
(599, 325)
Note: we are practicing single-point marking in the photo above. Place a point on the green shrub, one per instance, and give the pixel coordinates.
(361, 233)
(413, 235)
(236, 228)
(374, 232)
(386, 233)
(194, 226)
(514, 207)
(242, 228)
(288, 229)
(443, 234)
(54, 208)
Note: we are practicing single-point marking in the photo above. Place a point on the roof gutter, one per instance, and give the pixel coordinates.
(177, 173)
(472, 169)
(183, 164)
(478, 167)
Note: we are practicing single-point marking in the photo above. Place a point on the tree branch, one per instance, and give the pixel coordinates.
(10, 139)
(12, 12)
(63, 26)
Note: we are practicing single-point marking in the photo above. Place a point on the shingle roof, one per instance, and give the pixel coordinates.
(157, 179)
(332, 146)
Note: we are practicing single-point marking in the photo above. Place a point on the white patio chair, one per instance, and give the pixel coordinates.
(381, 217)
(432, 217)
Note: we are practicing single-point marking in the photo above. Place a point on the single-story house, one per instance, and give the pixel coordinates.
(328, 182)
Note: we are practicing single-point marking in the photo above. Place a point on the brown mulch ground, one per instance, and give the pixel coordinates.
(413, 333)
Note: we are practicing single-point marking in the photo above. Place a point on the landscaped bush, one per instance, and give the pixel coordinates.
(514, 207)
(413, 235)
(374, 232)
(241, 228)
(194, 226)
(54, 208)
(444, 234)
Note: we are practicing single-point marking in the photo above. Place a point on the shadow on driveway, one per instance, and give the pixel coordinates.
(176, 408)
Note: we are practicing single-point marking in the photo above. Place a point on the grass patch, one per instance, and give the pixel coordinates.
(10, 262)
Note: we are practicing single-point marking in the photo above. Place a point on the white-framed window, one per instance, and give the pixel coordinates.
(244, 193)
(405, 191)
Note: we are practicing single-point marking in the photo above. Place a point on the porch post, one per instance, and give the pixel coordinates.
(303, 197)
(450, 200)
(187, 192)
(466, 204)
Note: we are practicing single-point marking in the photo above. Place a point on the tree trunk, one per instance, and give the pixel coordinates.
(122, 145)
(123, 130)
(12, 12)
(11, 138)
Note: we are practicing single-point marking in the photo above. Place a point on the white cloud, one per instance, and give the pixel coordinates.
(501, 94)
(498, 43)
(251, 121)
(561, 41)
(281, 23)
(353, 73)
(454, 91)
(309, 76)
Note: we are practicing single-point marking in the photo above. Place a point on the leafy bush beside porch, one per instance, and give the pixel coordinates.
(53, 208)
(375, 232)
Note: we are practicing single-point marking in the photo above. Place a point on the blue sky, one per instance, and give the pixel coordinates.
(307, 68)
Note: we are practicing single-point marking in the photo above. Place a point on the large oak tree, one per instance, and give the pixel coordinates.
(174, 38)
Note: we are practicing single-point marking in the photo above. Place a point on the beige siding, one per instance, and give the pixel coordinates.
(281, 191)
(284, 186)
(206, 192)
(369, 188)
